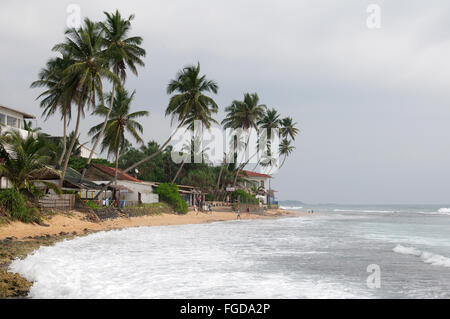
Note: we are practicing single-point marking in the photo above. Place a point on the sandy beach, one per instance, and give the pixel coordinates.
(17, 239)
(75, 222)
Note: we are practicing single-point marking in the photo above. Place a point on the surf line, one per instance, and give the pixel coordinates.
(191, 309)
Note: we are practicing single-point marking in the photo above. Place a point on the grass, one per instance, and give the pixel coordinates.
(149, 209)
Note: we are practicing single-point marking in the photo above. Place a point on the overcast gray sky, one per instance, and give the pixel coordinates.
(372, 104)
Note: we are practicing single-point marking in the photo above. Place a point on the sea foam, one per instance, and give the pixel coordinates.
(426, 257)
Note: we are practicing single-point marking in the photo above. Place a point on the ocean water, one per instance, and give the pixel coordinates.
(323, 255)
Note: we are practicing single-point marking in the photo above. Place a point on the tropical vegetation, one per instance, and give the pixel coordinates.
(88, 75)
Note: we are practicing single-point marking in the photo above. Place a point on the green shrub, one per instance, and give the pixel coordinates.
(244, 197)
(14, 203)
(92, 205)
(169, 193)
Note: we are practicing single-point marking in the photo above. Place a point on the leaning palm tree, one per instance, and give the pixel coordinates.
(244, 114)
(121, 52)
(285, 149)
(58, 95)
(121, 121)
(88, 70)
(189, 101)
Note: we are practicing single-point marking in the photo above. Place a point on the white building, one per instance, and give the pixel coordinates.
(129, 188)
(252, 179)
(13, 119)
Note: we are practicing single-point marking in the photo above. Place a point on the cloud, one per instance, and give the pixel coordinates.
(372, 104)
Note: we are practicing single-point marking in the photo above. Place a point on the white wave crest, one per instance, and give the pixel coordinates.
(291, 207)
(426, 257)
(363, 211)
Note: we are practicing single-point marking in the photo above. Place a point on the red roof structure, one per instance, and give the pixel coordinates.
(111, 172)
(253, 174)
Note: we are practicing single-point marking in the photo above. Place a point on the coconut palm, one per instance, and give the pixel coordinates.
(269, 122)
(188, 102)
(58, 95)
(88, 70)
(288, 129)
(285, 149)
(121, 52)
(121, 121)
(244, 114)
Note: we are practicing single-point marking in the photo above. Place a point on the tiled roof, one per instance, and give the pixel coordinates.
(254, 174)
(110, 171)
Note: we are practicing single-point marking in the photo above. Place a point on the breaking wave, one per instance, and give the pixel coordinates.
(426, 257)
(363, 211)
(291, 207)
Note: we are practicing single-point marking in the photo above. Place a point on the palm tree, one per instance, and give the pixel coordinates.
(285, 149)
(25, 157)
(120, 122)
(288, 128)
(120, 52)
(189, 102)
(244, 114)
(58, 95)
(89, 68)
(270, 121)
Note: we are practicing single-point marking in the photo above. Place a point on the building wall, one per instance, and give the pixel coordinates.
(260, 181)
(12, 114)
(146, 190)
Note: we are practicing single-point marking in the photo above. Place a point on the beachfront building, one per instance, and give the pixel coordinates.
(260, 181)
(129, 189)
(12, 119)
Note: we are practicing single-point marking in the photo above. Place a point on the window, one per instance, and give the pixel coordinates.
(11, 121)
(2, 119)
(262, 184)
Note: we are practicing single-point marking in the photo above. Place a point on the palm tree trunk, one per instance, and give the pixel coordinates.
(69, 151)
(102, 131)
(220, 176)
(117, 166)
(241, 166)
(145, 159)
(284, 159)
(64, 141)
(178, 173)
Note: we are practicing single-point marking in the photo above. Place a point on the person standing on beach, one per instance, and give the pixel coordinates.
(238, 214)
